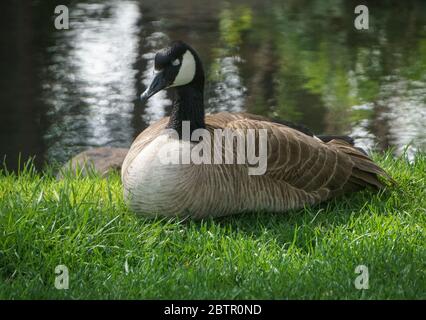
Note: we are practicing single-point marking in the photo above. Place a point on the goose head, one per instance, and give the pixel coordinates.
(175, 66)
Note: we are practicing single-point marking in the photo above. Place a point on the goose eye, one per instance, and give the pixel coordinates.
(176, 62)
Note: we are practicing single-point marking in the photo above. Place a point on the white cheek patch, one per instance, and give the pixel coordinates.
(187, 70)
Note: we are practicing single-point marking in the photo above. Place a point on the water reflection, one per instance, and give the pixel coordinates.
(228, 93)
(91, 84)
(405, 112)
(226, 89)
(300, 61)
(361, 130)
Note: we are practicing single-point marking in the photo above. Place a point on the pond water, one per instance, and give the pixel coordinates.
(63, 91)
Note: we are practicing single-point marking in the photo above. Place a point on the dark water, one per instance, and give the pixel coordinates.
(63, 91)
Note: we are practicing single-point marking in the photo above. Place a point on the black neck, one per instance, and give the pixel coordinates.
(188, 105)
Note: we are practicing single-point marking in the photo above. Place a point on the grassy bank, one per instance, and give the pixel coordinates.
(110, 253)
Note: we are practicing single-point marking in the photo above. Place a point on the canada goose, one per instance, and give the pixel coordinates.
(301, 169)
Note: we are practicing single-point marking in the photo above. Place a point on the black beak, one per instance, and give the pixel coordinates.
(158, 84)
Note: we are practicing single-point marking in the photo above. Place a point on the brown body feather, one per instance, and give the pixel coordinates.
(301, 170)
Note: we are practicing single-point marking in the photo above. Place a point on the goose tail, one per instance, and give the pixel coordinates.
(365, 172)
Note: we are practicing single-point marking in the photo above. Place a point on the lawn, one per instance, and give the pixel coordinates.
(83, 223)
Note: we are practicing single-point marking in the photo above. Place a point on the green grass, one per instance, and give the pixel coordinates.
(311, 253)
